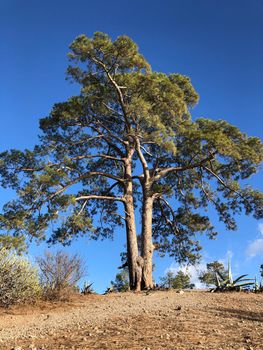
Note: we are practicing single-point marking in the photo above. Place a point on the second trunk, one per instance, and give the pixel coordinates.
(147, 244)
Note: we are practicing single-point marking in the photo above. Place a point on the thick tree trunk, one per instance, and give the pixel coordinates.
(132, 245)
(147, 244)
(134, 261)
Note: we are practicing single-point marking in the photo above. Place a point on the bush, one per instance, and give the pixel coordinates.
(59, 274)
(18, 279)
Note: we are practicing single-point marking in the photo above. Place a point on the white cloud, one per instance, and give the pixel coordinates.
(256, 247)
(260, 227)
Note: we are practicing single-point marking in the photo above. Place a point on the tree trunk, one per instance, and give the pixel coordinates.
(131, 235)
(147, 245)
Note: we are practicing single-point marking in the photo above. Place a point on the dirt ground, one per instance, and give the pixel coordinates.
(146, 321)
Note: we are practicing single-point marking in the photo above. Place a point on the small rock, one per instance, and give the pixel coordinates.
(32, 347)
(180, 292)
(17, 348)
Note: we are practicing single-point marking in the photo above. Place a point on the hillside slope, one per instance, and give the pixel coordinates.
(149, 321)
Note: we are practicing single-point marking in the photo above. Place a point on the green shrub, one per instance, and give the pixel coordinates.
(18, 279)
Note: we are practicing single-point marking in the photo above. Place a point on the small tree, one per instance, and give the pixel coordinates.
(208, 277)
(121, 282)
(18, 279)
(59, 273)
(180, 280)
(261, 270)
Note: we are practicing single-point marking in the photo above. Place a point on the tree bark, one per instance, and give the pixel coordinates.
(131, 235)
(147, 245)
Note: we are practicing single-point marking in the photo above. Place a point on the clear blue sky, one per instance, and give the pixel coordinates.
(217, 43)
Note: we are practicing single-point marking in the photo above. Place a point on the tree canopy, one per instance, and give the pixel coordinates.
(128, 138)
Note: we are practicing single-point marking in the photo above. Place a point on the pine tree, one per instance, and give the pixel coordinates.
(84, 175)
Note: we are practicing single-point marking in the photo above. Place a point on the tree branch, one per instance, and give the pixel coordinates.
(222, 182)
(83, 177)
(146, 171)
(167, 220)
(164, 172)
(120, 199)
(118, 89)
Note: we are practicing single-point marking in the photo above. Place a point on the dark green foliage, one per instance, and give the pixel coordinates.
(209, 277)
(13, 243)
(180, 280)
(261, 270)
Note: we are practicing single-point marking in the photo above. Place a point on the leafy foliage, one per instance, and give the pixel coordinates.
(13, 243)
(18, 279)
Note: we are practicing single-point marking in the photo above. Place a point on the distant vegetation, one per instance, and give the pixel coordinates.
(56, 277)
(180, 280)
(121, 282)
(208, 277)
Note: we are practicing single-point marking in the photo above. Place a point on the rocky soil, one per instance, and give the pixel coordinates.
(146, 321)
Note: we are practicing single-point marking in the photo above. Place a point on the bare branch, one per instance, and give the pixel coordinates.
(167, 220)
(143, 160)
(118, 89)
(82, 208)
(162, 173)
(90, 174)
(222, 182)
(120, 199)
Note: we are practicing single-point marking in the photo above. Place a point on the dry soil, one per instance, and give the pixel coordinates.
(145, 321)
